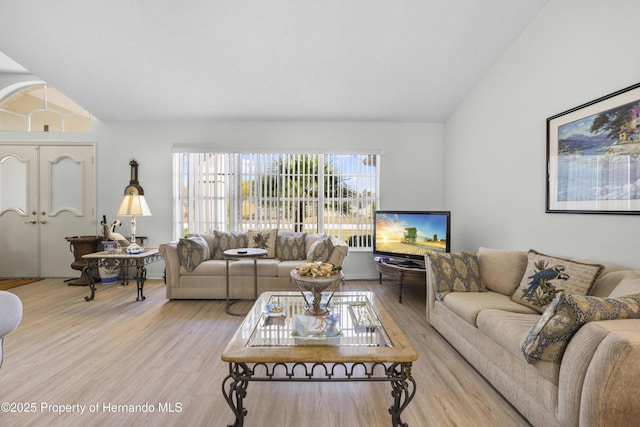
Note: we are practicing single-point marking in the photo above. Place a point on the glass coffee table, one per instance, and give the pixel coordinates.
(277, 342)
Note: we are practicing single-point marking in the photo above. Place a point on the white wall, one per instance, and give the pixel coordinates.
(412, 164)
(574, 51)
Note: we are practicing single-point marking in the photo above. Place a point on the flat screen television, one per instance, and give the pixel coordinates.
(404, 237)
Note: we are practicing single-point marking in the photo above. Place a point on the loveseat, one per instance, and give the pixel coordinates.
(195, 267)
(557, 363)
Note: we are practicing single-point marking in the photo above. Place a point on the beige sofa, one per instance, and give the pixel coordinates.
(597, 380)
(208, 279)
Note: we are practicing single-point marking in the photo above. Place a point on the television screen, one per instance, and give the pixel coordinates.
(411, 234)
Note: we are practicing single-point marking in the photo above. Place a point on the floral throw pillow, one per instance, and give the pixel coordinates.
(266, 240)
(192, 251)
(550, 335)
(455, 272)
(546, 276)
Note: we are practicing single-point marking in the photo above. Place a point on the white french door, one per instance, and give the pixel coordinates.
(47, 193)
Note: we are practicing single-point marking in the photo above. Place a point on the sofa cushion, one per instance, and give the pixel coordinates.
(237, 267)
(550, 335)
(467, 305)
(547, 275)
(262, 239)
(455, 272)
(501, 270)
(320, 250)
(244, 267)
(212, 267)
(607, 283)
(630, 285)
(192, 251)
(210, 238)
(285, 267)
(607, 267)
(230, 240)
(291, 246)
(507, 329)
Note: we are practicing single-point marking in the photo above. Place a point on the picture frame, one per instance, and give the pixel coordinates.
(593, 156)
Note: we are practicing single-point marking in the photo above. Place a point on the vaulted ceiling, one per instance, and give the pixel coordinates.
(373, 60)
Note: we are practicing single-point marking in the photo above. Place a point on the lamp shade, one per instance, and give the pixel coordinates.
(134, 205)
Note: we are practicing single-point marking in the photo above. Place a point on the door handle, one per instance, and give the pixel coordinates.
(44, 221)
(33, 221)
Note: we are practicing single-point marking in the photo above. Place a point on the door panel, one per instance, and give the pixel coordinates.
(46, 194)
(19, 255)
(67, 204)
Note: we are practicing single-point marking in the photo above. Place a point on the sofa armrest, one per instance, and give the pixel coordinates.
(431, 292)
(600, 375)
(340, 251)
(169, 253)
(340, 248)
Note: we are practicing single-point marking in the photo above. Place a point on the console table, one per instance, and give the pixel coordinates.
(139, 261)
(415, 275)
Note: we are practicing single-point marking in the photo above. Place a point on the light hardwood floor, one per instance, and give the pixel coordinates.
(114, 351)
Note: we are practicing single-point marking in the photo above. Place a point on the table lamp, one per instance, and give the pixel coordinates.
(134, 204)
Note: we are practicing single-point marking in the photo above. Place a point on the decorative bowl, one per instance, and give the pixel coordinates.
(317, 287)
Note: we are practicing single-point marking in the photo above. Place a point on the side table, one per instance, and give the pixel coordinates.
(139, 261)
(240, 253)
(402, 274)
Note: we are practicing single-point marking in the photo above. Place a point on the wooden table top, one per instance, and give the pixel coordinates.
(238, 351)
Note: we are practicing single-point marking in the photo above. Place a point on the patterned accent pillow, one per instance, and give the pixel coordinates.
(320, 250)
(550, 335)
(546, 276)
(232, 240)
(263, 240)
(291, 246)
(455, 272)
(192, 251)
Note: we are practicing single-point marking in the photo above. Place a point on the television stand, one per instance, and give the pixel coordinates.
(402, 274)
(405, 263)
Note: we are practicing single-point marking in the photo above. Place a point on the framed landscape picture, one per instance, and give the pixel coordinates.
(593, 156)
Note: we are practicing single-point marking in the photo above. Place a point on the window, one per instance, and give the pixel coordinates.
(327, 193)
(36, 107)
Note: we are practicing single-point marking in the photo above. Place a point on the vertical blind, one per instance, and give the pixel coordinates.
(334, 194)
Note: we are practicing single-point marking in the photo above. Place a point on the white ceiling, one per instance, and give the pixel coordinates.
(375, 60)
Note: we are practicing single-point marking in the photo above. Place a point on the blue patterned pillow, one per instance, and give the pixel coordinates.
(192, 251)
(547, 275)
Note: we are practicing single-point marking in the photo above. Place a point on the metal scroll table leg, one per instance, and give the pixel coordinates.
(141, 277)
(237, 382)
(86, 272)
(403, 389)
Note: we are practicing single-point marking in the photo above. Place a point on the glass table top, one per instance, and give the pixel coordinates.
(352, 322)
